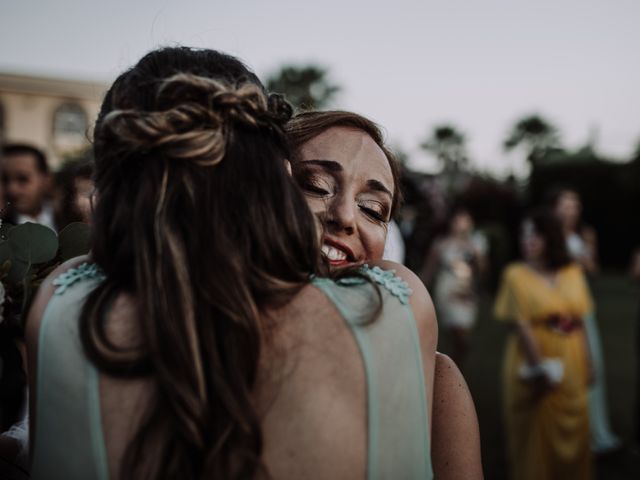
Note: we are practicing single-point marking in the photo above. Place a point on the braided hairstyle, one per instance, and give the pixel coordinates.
(199, 221)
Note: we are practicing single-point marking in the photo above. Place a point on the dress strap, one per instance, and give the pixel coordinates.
(385, 331)
(386, 278)
(68, 418)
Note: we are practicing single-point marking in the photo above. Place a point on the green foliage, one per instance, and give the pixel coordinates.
(32, 243)
(28, 253)
(305, 87)
(4, 230)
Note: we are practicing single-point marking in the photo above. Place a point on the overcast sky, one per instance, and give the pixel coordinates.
(409, 65)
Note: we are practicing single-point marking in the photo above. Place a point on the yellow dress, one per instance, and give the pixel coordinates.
(548, 436)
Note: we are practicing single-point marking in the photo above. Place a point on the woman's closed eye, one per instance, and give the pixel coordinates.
(316, 185)
(375, 210)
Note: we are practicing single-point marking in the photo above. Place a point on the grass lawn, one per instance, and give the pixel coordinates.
(617, 301)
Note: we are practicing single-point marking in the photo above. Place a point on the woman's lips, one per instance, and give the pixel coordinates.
(337, 253)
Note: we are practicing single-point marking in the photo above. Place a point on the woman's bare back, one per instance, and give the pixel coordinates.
(310, 393)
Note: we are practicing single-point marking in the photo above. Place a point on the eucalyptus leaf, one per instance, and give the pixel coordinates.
(4, 229)
(32, 243)
(74, 240)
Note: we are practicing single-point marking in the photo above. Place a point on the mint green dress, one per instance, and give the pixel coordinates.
(69, 442)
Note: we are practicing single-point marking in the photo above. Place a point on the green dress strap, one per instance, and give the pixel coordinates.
(69, 443)
(384, 328)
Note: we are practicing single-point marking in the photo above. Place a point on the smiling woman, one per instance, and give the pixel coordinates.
(350, 180)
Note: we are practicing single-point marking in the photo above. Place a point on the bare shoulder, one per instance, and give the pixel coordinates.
(513, 272)
(455, 434)
(453, 386)
(514, 269)
(32, 329)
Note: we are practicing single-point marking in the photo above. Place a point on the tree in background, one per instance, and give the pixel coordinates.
(447, 144)
(305, 87)
(535, 134)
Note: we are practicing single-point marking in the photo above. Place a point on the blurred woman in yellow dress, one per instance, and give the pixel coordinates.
(547, 367)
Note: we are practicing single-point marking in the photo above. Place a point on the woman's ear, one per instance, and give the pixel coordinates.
(287, 165)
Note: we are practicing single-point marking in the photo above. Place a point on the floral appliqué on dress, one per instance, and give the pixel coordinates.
(76, 274)
(387, 278)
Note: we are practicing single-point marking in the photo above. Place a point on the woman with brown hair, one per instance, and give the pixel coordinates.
(547, 366)
(202, 338)
(351, 181)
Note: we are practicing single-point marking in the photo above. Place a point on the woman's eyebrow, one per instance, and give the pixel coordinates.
(378, 187)
(330, 165)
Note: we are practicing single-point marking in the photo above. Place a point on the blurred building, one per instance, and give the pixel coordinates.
(53, 114)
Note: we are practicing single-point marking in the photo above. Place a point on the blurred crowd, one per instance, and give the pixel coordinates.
(554, 386)
(32, 193)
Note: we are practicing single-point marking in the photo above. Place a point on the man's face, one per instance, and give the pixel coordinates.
(25, 186)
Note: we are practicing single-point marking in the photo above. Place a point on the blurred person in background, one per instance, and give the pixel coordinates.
(582, 240)
(26, 181)
(72, 192)
(547, 367)
(582, 245)
(454, 266)
(351, 182)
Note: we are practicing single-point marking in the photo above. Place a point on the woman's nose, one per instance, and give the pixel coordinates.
(341, 214)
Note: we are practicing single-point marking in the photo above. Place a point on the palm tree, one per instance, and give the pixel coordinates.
(305, 87)
(448, 146)
(536, 135)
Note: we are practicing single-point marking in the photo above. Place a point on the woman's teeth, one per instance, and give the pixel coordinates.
(333, 254)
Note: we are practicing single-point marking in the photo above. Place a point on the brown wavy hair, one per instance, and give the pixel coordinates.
(308, 125)
(199, 220)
